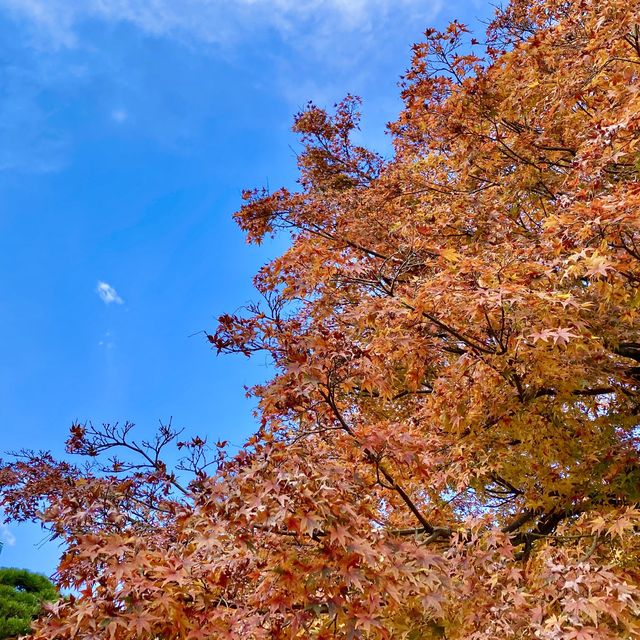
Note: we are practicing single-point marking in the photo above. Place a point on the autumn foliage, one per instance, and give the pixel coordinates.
(449, 445)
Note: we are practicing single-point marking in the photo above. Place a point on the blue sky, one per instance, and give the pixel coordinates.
(128, 129)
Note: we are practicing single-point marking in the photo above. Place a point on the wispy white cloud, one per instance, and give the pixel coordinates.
(6, 536)
(325, 49)
(212, 21)
(108, 294)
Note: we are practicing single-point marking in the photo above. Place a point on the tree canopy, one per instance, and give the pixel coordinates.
(22, 594)
(448, 447)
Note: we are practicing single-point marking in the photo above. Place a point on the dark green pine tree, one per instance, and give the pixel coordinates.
(21, 596)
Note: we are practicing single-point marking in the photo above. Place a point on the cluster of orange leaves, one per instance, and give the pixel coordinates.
(449, 446)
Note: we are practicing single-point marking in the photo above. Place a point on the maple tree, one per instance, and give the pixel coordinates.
(448, 447)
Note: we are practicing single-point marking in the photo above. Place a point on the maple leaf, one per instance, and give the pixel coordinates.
(174, 572)
(560, 336)
(140, 622)
(339, 534)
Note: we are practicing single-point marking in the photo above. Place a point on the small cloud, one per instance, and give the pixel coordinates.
(108, 294)
(6, 537)
(119, 115)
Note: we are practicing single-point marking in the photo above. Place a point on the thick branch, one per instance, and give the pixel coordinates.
(428, 528)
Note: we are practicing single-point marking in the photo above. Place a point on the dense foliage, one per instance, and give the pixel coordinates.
(22, 594)
(449, 445)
